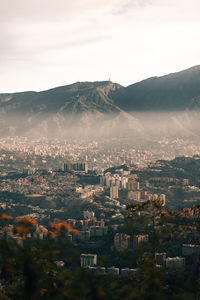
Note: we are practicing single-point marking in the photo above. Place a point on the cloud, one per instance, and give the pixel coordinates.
(45, 10)
(126, 40)
(29, 29)
(129, 5)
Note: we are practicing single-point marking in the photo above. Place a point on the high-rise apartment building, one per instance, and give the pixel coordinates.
(121, 241)
(163, 199)
(124, 181)
(80, 166)
(114, 194)
(139, 239)
(134, 195)
(133, 185)
(144, 195)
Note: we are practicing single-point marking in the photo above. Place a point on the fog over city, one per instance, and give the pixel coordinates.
(88, 126)
(47, 43)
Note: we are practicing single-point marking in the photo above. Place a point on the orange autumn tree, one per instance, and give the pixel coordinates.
(5, 217)
(60, 226)
(26, 226)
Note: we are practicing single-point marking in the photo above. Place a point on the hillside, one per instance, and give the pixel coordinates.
(74, 98)
(173, 92)
(106, 108)
(80, 109)
(176, 91)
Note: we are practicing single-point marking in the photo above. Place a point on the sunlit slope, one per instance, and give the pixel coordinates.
(80, 109)
(77, 97)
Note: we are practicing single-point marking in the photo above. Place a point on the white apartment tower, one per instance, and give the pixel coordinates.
(114, 192)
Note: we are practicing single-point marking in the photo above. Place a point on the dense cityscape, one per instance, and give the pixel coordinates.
(99, 150)
(90, 188)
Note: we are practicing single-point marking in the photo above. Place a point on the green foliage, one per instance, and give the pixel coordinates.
(29, 268)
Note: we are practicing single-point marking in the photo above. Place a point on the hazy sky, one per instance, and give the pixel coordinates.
(48, 43)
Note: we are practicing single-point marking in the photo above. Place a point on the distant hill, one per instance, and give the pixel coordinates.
(74, 98)
(105, 108)
(176, 91)
(79, 109)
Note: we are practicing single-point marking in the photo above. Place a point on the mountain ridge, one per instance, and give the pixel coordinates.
(53, 99)
(174, 91)
(109, 107)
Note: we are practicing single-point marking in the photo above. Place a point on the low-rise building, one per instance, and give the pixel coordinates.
(88, 214)
(113, 271)
(97, 270)
(160, 258)
(127, 272)
(174, 262)
(88, 260)
(190, 249)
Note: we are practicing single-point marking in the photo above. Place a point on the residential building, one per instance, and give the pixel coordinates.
(127, 272)
(121, 241)
(160, 258)
(174, 262)
(139, 239)
(190, 249)
(88, 260)
(114, 192)
(88, 214)
(134, 195)
(98, 231)
(163, 199)
(113, 271)
(133, 185)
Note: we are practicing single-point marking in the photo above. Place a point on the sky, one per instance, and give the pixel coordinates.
(49, 43)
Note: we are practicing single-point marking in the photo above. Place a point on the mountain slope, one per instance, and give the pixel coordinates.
(107, 109)
(176, 91)
(79, 109)
(76, 98)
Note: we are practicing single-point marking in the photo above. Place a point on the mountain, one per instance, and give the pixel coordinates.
(74, 98)
(108, 109)
(176, 91)
(81, 109)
